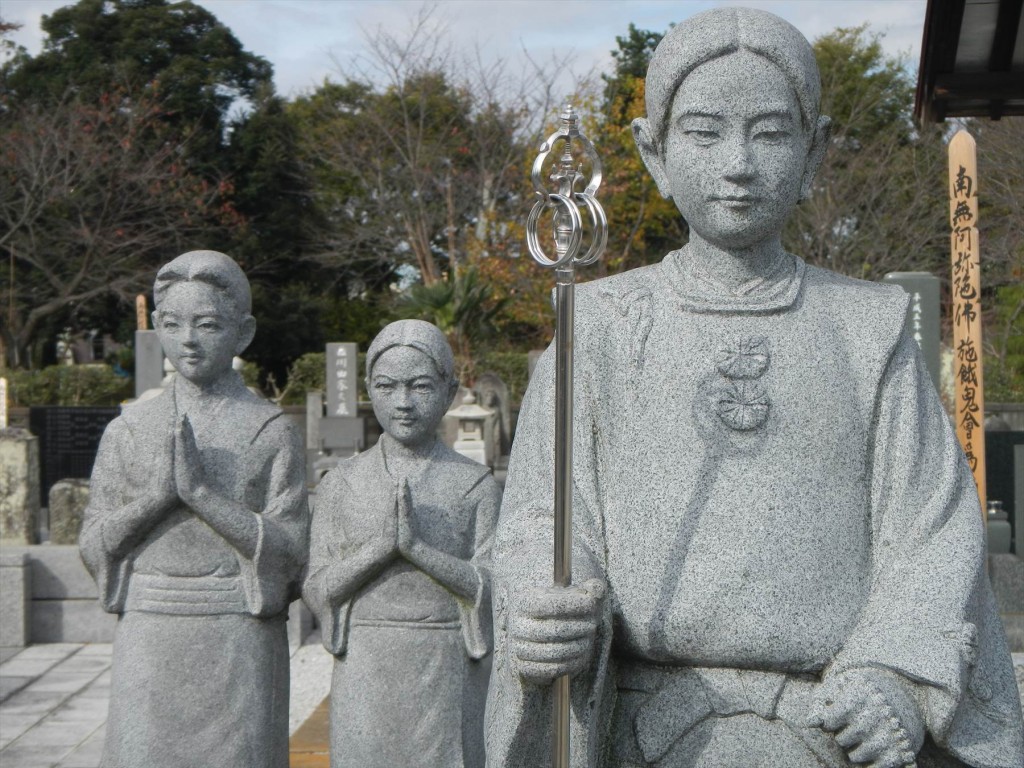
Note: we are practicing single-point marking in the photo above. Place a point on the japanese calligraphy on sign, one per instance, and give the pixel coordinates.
(966, 304)
(342, 364)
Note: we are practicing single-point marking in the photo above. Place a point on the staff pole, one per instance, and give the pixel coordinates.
(564, 206)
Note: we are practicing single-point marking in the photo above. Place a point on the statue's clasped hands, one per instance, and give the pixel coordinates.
(552, 630)
(398, 533)
(872, 717)
(180, 477)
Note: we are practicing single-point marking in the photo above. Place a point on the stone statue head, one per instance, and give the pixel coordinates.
(732, 133)
(410, 375)
(203, 314)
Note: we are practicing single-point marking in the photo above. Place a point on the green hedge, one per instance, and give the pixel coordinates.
(68, 385)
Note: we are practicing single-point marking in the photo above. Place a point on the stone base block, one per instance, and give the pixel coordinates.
(58, 573)
(15, 598)
(71, 621)
(300, 623)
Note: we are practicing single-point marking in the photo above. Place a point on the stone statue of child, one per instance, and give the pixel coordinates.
(196, 533)
(777, 542)
(398, 572)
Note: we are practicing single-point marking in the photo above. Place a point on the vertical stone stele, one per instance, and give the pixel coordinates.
(196, 533)
(778, 552)
(399, 572)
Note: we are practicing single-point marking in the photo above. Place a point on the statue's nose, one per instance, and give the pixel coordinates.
(739, 166)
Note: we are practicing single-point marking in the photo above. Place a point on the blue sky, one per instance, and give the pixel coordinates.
(306, 40)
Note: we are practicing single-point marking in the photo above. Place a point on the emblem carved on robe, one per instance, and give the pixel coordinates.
(739, 399)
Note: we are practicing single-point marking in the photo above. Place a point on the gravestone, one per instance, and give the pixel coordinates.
(149, 362)
(19, 487)
(492, 393)
(3, 403)
(342, 374)
(68, 499)
(923, 321)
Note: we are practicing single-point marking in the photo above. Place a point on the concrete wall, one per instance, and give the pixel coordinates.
(60, 601)
(64, 607)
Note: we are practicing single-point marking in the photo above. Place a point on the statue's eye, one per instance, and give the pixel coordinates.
(702, 135)
(772, 136)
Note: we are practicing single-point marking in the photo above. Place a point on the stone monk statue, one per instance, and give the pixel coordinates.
(779, 559)
(399, 572)
(196, 533)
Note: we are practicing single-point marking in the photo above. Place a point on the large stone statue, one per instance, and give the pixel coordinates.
(196, 533)
(779, 556)
(398, 572)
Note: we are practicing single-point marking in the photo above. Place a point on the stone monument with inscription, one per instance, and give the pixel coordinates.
(196, 533)
(399, 572)
(778, 551)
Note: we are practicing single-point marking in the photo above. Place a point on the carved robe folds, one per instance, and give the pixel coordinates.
(769, 485)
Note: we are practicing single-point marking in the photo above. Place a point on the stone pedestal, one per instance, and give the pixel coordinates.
(15, 599)
(68, 500)
(19, 487)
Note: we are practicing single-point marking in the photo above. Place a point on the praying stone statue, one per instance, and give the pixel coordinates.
(779, 558)
(398, 572)
(196, 533)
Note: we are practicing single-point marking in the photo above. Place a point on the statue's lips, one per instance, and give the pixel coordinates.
(736, 202)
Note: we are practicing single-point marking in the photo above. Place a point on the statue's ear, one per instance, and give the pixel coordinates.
(644, 138)
(816, 153)
(246, 332)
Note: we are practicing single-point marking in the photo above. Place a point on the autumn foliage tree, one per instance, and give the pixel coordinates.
(93, 199)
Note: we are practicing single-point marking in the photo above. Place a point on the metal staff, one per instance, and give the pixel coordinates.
(567, 222)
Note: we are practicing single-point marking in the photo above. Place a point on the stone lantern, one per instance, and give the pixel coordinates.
(470, 440)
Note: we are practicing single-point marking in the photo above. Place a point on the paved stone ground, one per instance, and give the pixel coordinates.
(53, 701)
(53, 704)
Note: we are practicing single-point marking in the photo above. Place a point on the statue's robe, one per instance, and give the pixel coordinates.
(770, 487)
(200, 666)
(412, 658)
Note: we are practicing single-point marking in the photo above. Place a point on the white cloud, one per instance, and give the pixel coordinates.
(300, 36)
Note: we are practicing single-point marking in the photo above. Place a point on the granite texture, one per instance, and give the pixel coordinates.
(67, 502)
(19, 486)
(399, 572)
(196, 533)
(778, 551)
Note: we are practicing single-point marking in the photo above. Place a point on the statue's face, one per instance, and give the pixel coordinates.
(199, 330)
(409, 396)
(735, 150)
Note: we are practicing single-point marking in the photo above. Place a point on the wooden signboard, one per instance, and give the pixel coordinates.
(141, 313)
(966, 305)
